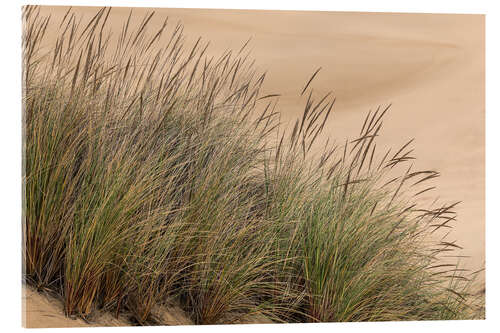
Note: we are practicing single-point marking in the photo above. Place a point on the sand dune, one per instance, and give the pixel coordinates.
(429, 66)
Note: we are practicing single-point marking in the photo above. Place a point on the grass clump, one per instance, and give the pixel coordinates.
(153, 172)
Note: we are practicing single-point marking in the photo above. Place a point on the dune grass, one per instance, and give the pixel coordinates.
(154, 172)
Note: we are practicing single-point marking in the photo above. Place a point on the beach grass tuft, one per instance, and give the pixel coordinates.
(154, 172)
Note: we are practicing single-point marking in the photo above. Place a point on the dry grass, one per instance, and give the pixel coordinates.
(153, 172)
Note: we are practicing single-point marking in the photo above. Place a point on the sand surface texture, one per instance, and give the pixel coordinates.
(429, 66)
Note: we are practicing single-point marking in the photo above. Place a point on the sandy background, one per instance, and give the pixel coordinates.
(429, 66)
